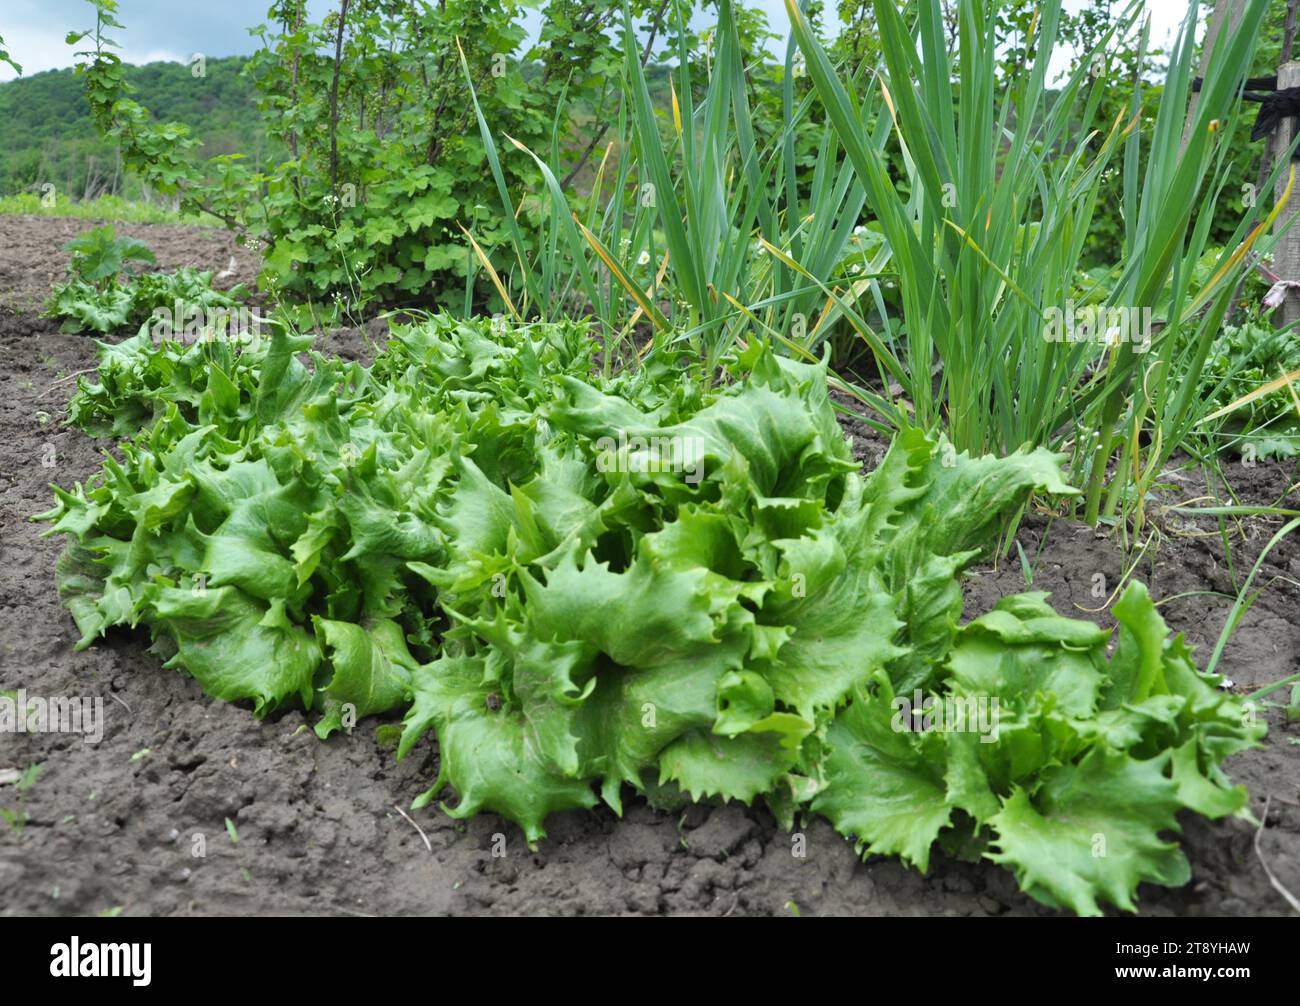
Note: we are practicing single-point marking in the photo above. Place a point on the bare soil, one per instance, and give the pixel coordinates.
(291, 825)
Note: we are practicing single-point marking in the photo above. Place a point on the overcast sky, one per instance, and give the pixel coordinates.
(34, 30)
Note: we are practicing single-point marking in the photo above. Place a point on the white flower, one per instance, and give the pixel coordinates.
(643, 258)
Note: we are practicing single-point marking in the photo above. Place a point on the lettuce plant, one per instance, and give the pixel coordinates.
(94, 299)
(1244, 358)
(585, 587)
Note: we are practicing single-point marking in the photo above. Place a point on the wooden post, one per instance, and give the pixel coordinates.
(1227, 12)
(1286, 253)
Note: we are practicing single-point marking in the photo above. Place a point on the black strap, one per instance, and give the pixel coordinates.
(1274, 105)
(1252, 83)
(1273, 108)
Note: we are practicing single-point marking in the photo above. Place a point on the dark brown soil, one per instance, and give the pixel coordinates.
(118, 824)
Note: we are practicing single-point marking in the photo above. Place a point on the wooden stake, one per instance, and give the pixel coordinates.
(1227, 12)
(1286, 253)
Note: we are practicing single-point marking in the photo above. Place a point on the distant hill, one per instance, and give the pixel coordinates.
(46, 132)
(48, 135)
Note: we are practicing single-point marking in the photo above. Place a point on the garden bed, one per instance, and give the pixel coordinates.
(291, 824)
